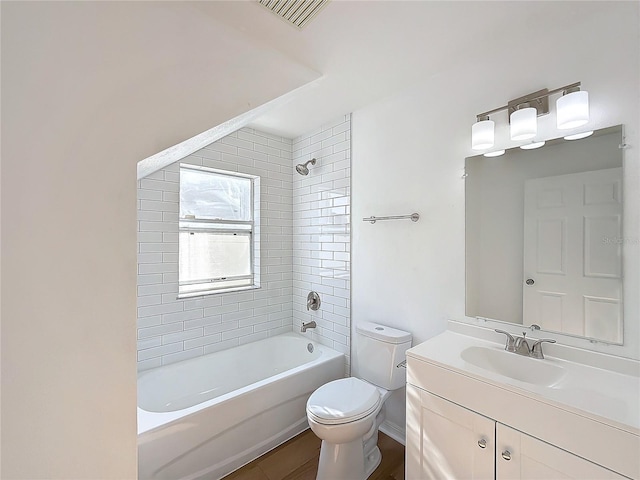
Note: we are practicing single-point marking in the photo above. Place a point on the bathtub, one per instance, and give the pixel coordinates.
(206, 417)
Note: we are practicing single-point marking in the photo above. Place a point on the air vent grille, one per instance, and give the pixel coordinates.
(296, 12)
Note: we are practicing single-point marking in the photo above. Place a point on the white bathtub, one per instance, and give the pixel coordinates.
(206, 417)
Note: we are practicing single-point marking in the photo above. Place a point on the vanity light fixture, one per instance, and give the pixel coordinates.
(532, 145)
(482, 133)
(524, 123)
(578, 136)
(572, 110)
(495, 153)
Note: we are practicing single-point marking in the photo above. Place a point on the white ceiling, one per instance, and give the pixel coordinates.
(369, 50)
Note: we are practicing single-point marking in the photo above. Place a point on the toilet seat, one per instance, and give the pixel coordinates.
(343, 401)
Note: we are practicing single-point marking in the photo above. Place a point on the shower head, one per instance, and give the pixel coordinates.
(302, 168)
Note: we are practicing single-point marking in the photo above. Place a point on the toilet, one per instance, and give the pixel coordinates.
(345, 414)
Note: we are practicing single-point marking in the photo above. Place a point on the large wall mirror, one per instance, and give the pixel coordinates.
(544, 234)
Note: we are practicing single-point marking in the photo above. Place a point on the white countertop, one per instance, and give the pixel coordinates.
(605, 395)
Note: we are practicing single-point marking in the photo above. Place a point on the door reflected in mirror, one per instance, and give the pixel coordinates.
(544, 236)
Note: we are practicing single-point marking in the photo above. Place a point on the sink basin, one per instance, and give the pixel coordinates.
(512, 365)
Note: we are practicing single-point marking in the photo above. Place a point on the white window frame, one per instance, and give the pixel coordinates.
(209, 225)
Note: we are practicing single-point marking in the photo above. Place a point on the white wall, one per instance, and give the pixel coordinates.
(88, 90)
(172, 329)
(408, 155)
(322, 234)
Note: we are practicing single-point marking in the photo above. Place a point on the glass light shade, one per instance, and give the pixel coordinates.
(572, 110)
(496, 153)
(482, 134)
(578, 136)
(524, 124)
(532, 145)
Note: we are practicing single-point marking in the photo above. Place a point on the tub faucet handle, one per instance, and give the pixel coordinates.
(313, 301)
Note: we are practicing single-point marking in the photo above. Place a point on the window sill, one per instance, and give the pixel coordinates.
(217, 292)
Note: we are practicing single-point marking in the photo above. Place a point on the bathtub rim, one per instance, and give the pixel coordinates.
(149, 422)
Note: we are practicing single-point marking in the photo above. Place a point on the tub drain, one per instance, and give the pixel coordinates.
(310, 347)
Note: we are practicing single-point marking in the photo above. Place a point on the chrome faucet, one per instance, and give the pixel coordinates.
(521, 346)
(305, 326)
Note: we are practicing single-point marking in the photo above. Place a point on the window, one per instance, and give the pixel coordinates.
(217, 234)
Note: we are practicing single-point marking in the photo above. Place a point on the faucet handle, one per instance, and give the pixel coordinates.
(536, 349)
(511, 342)
(313, 301)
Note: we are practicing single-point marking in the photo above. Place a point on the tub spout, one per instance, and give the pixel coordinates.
(311, 324)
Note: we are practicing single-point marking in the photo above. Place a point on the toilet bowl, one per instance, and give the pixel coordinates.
(346, 414)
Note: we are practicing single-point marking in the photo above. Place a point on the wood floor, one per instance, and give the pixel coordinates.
(297, 459)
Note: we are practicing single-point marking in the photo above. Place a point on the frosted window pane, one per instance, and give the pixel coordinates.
(209, 195)
(205, 256)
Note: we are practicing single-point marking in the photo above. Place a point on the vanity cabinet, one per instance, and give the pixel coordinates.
(445, 440)
(521, 456)
(461, 418)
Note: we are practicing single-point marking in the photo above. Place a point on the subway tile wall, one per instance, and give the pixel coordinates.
(322, 235)
(171, 330)
(305, 245)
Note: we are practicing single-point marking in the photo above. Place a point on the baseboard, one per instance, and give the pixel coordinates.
(394, 431)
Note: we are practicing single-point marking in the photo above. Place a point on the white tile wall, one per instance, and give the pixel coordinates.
(322, 235)
(170, 330)
(305, 245)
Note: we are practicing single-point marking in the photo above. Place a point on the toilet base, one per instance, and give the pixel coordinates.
(343, 461)
(346, 461)
(372, 461)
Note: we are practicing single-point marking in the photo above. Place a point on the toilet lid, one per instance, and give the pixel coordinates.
(342, 401)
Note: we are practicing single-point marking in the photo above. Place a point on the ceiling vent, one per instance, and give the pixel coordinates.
(295, 12)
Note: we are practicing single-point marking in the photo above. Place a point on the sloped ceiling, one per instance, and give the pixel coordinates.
(172, 71)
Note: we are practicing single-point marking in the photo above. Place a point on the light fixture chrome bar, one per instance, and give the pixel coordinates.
(566, 87)
(535, 96)
(414, 218)
(538, 100)
(485, 115)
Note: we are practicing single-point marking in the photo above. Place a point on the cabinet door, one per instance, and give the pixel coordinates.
(519, 456)
(447, 441)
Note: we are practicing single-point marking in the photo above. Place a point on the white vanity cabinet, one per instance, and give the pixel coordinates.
(463, 424)
(447, 441)
(520, 456)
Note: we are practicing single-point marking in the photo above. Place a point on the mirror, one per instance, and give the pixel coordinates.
(544, 234)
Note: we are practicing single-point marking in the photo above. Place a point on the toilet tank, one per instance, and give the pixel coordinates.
(379, 350)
